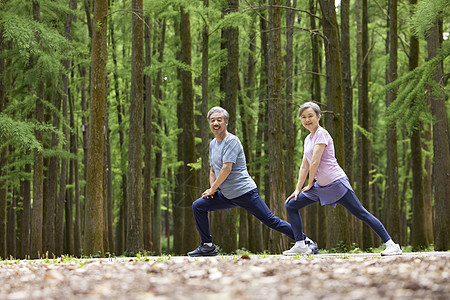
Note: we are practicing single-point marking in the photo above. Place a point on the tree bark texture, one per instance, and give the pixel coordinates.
(275, 124)
(3, 160)
(337, 225)
(419, 232)
(288, 116)
(93, 237)
(441, 152)
(38, 170)
(191, 192)
(135, 237)
(148, 136)
(364, 121)
(392, 193)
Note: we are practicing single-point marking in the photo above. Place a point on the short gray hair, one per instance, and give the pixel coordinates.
(309, 105)
(218, 109)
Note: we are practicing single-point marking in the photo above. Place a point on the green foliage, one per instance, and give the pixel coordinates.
(426, 13)
(18, 133)
(410, 104)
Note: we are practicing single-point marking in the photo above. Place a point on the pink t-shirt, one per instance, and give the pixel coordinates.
(329, 169)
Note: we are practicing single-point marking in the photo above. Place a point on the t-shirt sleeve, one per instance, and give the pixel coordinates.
(210, 156)
(321, 137)
(231, 151)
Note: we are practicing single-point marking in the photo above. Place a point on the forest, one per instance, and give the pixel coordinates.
(104, 137)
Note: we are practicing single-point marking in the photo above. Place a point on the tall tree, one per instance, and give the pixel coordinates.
(148, 136)
(441, 152)
(191, 193)
(364, 121)
(288, 118)
(275, 109)
(135, 238)
(3, 159)
(337, 225)
(38, 170)
(347, 89)
(419, 236)
(93, 237)
(392, 197)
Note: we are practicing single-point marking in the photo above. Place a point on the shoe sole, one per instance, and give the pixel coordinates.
(391, 254)
(201, 255)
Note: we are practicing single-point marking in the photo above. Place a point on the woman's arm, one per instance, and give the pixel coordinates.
(314, 165)
(302, 173)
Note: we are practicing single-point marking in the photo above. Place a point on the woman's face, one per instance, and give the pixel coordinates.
(310, 120)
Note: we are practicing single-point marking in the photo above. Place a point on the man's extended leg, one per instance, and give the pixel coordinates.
(202, 206)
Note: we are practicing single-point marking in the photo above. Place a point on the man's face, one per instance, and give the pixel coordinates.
(217, 123)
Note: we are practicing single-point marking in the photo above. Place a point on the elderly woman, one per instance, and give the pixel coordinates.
(331, 187)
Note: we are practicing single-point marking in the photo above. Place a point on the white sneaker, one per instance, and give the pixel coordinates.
(392, 250)
(297, 250)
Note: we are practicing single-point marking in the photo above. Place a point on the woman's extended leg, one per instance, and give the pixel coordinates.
(353, 205)
(292, 208)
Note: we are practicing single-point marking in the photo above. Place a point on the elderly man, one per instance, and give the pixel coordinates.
(229, 173)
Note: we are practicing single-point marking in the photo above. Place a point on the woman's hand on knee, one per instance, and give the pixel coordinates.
(293, 195)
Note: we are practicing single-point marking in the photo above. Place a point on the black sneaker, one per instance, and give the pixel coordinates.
(204, 250)
(312, 245)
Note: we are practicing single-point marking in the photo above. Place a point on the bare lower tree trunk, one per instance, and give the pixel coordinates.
(148, 135)
(93, 238)
(441, 152)
(156, 206)
(275, 109)
(3, 161)
(288, 119)
(419, 232)
(191, 192)
(364, 121)
(392, 197)
(38, 171)
(135, 237)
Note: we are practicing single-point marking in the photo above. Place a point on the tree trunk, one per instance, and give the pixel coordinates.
(52, 188)
(135, 238)
(93, 238)
(180, 186)
(148, 135)
(288, 116)
(347, 89)
(337, 225)
(3, 160)
(38, 171)
(441, 153)
(392, 198)
(156, 230)
(364, 121)
(11, 225)
(419, 236)
(275, 109)
(121, 224)
(191, 193)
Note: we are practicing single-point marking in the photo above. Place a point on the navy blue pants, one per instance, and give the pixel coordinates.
(349, 201)
(250, 201)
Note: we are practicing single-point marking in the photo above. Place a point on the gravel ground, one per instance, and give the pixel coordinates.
(339, 276)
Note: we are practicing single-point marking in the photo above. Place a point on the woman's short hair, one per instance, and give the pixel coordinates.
(309, 105)
(218, 109)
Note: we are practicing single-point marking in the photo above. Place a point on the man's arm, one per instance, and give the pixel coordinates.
(216, 182)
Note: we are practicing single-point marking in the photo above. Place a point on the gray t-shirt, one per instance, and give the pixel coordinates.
(230, 149)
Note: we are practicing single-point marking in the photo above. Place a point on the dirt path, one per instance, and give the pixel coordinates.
(341, 276)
